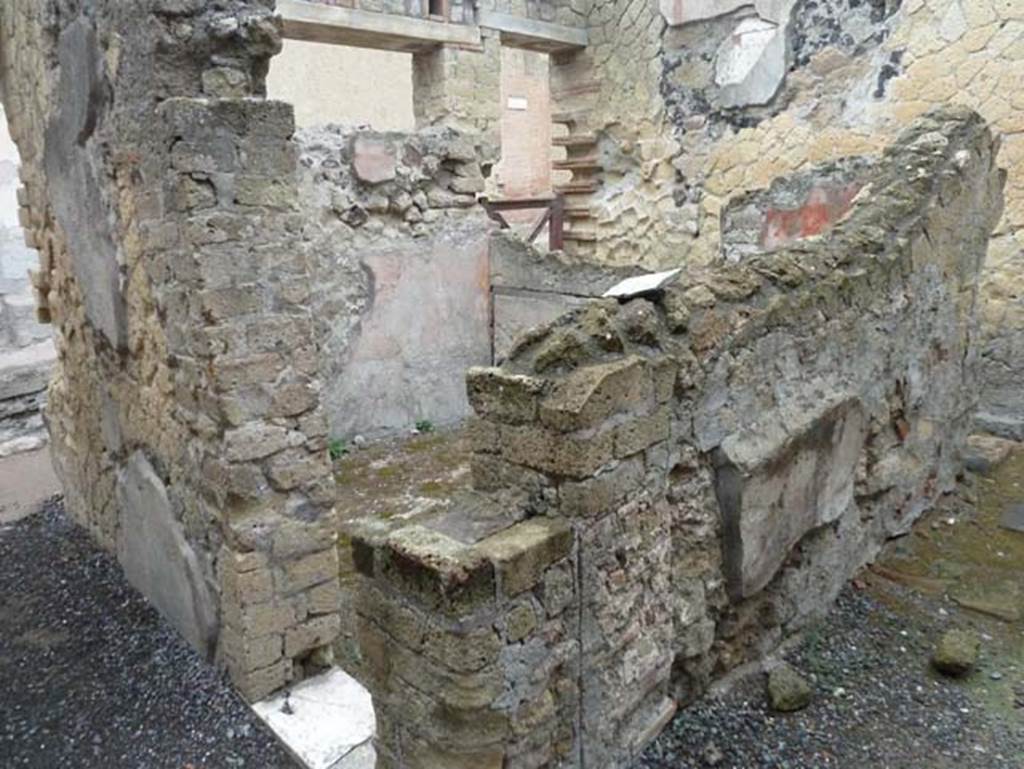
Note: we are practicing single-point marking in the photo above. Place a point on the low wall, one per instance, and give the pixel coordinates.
(681, 480)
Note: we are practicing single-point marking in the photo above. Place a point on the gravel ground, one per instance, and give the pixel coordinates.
(876, 705)
(91, 676)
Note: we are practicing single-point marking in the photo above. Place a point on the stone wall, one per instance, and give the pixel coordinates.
(680, 480)
(184, 409)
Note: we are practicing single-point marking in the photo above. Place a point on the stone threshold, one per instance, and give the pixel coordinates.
(325, 722)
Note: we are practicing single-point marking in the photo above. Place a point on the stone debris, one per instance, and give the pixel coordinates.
(788, 691)
(1013, 517)
(956, 653)
(984, 453)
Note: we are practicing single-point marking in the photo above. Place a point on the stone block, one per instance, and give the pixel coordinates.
(641, 432)
(254, 441)
(572, 455)
(157, 559)
(374, 160)
(503, 397)
(591, 394)
(26, 371)
(309, 570)
(260, 619)
(521, 553)
(604, 492)
(250, 587)
(293, 468)
(257, 684)
(251, 653)
(774, 491)
(441, 573)
(311, 634)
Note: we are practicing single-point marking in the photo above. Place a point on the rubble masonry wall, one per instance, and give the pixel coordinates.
(698, 474)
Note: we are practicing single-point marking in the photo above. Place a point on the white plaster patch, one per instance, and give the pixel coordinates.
(741, 52)
(750, 64)
(642, 284)
(330, 723)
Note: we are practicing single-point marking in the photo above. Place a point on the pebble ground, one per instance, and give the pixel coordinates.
(91, 676)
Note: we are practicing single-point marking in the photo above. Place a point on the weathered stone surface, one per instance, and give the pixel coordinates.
(72, 184)
(157, 559)
(25, 371)
(592, 394)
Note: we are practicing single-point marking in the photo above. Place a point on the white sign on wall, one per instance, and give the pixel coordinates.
(518, 103)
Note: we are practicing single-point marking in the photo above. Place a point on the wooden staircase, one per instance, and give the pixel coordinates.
(583, 162)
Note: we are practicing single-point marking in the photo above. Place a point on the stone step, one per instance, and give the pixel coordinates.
(575, 140)
(592, 163)
(578, 187)
(570, 117)
(578, 212)
(582, 234)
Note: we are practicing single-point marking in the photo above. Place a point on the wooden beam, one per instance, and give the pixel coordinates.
(319, 23)
(517, 32)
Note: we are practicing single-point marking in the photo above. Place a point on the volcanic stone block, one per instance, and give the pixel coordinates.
(591, 394)
(521, 553)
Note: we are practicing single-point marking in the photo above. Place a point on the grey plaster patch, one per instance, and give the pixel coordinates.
(157, 559)
(773, 492)
(428, 320)
(72, 180)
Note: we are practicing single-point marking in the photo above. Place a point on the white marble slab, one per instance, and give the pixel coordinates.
(327, 724)
(642, 284)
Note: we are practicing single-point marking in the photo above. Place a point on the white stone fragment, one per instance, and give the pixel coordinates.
(330, 722)
(642, 284)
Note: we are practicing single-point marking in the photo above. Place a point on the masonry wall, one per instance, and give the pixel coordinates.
(678, 481)
(184, 408)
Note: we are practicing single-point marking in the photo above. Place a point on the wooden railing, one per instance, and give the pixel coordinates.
(553, 216)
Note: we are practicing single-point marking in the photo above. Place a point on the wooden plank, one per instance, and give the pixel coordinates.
(318, 23)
